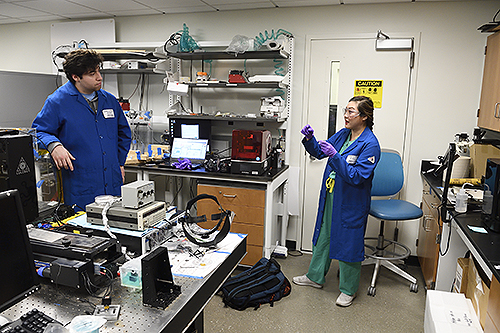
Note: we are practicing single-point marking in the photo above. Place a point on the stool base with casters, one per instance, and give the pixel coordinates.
(386, 253)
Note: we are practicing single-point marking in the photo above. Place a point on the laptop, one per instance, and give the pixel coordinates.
(192, 149)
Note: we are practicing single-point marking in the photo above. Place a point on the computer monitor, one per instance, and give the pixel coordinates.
(17, 269)
(188, 128)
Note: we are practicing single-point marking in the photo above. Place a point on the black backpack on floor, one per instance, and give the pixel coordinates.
(263, 283)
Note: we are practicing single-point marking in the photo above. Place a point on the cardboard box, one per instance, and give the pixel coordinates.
(479, 154)
(447, 312)
(477, 291)
(135, 157)
(460, 283)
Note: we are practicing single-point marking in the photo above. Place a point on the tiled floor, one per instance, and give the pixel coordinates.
(306, 309)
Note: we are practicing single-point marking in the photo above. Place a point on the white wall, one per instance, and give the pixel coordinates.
(448, 74)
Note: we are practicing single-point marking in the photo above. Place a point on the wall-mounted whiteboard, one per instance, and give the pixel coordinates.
(94, 32)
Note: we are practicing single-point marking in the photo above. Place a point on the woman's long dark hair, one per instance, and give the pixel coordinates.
(365, 108)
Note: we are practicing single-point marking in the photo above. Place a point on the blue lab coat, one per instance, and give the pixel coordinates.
(351, 194)
(99, 142)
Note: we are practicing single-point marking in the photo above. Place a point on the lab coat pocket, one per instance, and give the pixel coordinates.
(353, 216)
(112, 128)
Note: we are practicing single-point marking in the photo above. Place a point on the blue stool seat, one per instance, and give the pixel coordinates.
(394, 210)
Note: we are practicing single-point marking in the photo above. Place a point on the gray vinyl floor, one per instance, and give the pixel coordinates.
(306, 309)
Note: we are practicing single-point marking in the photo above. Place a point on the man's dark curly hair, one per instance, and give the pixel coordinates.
(80, 62)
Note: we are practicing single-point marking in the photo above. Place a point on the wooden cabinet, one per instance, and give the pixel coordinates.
(492, 322)
(489, 108)
(248, 204)
(429, 229)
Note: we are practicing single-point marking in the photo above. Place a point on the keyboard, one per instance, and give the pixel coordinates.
(33, 321)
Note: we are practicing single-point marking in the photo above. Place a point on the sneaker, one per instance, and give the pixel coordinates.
(303, 280)
(345, 300)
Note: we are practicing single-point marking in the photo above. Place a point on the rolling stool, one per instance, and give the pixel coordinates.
(388, 180)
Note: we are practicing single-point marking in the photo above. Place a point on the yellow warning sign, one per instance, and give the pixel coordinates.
(370, 88)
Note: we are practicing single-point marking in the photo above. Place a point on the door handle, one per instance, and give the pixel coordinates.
(425, 220)
(496, 110)
(229, 195)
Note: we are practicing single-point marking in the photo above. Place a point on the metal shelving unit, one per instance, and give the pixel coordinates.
(285, 54)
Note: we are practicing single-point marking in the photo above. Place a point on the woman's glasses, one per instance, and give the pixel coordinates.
(351, 112)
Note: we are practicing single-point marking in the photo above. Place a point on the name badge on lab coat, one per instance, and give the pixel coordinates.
(351, 159)
(108, 113)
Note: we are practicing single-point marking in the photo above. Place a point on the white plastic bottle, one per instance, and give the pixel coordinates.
(461, 204)
(487, 202)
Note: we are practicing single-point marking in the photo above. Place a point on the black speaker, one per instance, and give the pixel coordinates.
(17, 170)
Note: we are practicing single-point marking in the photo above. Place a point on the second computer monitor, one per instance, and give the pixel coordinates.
(187, 128)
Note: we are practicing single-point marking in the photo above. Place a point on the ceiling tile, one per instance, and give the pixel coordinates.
(11, 20)
(13, 10)
(235, 5)
(16, 11)
(41, 18)
(145, 11)
(60, 7)
(357, 2)
(301, 3)
(179, 9)
(168, 4)
(107, 5)
(94, 15)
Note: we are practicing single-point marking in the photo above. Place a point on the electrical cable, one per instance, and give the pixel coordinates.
(174, 39)
(176, 194)
(108, 202)
(136, 86)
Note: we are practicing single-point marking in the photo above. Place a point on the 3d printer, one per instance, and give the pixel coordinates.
(250, 151)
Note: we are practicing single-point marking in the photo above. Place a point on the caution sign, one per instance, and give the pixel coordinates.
(370, 88)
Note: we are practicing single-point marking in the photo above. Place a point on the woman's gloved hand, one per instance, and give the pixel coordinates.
(327, 148)
(307, 131)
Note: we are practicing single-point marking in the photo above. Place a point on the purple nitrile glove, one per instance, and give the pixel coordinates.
(307, 131)
(183, 165)
(327, 148)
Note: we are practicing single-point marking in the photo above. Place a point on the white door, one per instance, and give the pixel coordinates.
(334, 66)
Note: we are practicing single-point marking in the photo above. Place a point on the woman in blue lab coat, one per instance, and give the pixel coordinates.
(86, 132)
(344, 201)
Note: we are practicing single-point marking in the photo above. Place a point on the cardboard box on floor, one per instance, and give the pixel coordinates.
(460, 283)
(447, 312)
(479, 153)
(477, 291)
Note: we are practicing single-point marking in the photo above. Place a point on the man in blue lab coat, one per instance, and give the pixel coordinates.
(86, 132)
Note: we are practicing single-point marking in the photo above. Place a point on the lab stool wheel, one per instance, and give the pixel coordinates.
(387, 253)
